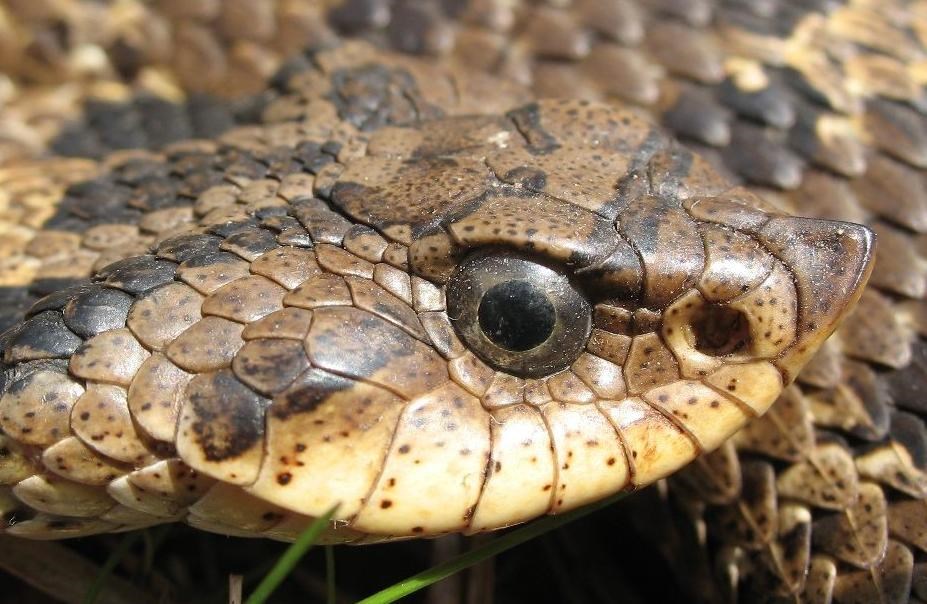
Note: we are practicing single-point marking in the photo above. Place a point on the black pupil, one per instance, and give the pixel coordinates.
(516, 315)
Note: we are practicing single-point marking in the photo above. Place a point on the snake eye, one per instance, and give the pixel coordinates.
(518, 314)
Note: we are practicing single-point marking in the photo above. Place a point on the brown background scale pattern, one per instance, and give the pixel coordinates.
(816, 106)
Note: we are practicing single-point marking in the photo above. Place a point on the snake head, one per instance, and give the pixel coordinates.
(458, 325)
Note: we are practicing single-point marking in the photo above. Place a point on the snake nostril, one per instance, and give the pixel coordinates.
(721, 331)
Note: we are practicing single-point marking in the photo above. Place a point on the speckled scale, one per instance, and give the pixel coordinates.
(155, 394)
(520, 439)
(557, 173)
(44, 336)
(163, 488)
(101, 419)
(340, 262)
(286, 265)
(111, 357)
(670, 250)
(859, 534)
(652, 442)
(377, 300)
(163, 313)
(249, 244)
(610, 346)
(54, 495)
(359, 353)
(734, 264)
(649, 363)
(208, 272)
(71, 459)
(322, 224)
(311, 427)
(893, 574)
(785, 432)
(17, 464)
(245, 300)
(221, 427)
(503, 390)
(365, 243)
(715, 477)
(827, 479)
(551, 227)
(323, 289)
(858, 406)
(207, 345)
(581, 123)
(698, 409)
(584, 441)
(371, 185)
(395, 281)
(422, 428)
(791, 240)
(25, 412)
(138, 275)
(269, 366)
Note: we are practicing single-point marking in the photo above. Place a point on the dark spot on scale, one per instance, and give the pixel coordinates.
(386, 503)
(284, 478)
(404, 449)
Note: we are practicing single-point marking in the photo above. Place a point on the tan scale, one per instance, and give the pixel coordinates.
(101, 419)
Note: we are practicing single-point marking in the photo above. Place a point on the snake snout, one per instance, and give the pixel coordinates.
(830, 262)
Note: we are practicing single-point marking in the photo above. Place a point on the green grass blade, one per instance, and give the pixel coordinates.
(99, 582)
(488, 550)
(332, 590)
(290, 559)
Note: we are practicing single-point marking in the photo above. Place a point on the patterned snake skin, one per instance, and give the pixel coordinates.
(276, 332)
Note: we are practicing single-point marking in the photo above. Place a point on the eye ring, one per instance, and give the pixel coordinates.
(517, 313)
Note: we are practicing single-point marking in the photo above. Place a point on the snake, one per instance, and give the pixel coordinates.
(452, 266)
